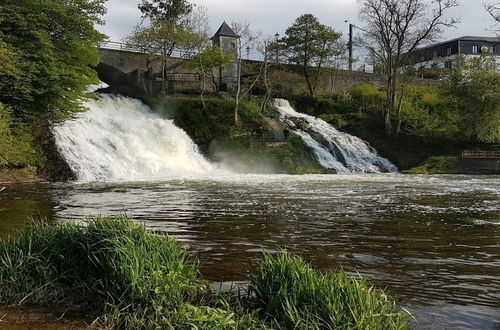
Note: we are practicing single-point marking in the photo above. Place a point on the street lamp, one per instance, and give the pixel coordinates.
(349, 44)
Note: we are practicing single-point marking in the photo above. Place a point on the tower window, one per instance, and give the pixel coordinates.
(233, 45)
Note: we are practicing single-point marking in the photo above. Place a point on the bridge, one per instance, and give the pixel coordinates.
(131, 67)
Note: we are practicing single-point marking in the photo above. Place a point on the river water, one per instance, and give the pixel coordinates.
(432, 241)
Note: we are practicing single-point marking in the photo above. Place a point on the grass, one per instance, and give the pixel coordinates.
(439, 165)
(293, 296)
(127, 277)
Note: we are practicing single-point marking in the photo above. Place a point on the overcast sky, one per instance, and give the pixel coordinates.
(271, 16)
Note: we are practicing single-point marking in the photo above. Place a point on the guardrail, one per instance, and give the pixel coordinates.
(480, 154)
(136, 48)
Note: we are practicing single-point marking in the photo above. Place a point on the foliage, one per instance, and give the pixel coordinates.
(16, 142)
(394, 29)
(205, 123)
(430, 115)
(131, 278)
(293, 296)
(310, 44)
(170, 28)
(474, 87)
(319, 105)
(367, 97)
(55, 43)
(439, 165)
(292, 157)
(165, 10)
(205, 63)
(7, 60)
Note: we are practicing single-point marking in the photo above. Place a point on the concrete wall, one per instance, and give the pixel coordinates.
(482, 165)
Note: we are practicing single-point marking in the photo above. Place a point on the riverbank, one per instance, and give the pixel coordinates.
(19, 176)
(128, 277)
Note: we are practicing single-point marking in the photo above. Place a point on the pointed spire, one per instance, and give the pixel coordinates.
(225, 31)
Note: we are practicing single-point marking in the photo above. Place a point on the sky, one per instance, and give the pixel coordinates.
(274, 16)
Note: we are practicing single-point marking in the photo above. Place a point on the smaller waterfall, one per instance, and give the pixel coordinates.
(119, 138)
(333, 149)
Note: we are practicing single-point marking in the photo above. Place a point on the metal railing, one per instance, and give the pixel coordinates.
(136, 48)
(480, 154)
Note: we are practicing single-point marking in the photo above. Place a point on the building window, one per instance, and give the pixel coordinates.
(448, 51)
(434, 53)
(233, 45)
(491, 50)
(475, 49)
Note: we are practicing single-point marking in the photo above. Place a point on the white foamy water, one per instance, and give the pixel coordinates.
(120, 139)
(333, 149)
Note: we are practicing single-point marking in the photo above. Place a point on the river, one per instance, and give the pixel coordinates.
(431, 241)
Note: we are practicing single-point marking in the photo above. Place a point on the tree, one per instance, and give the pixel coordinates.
(165, 10)
(56, 45)
(494, 11)
(246, 38)
(474, 87)
(159, 40)
(173, 25)
(309, 45)
(394, 29)
(205, 63)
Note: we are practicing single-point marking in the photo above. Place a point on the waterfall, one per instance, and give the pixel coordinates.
(333, 149)
(119, 138)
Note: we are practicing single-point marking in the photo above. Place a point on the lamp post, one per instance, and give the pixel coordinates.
(349, 44)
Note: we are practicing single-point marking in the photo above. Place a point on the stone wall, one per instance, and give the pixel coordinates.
(124, 68)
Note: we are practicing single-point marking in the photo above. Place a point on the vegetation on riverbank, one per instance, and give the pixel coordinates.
(131, 278)
(211, 125)
(440, 165)
(431, 118)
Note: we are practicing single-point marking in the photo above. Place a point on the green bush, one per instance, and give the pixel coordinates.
(15, 142)
(293, 296)
(210, 122)
(367, 97)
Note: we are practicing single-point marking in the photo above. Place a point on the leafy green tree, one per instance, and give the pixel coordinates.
(394, 30)
(205, 63)
(474, 87)
(310, 45)
(173, 26)
(165, 10)
(56, 46)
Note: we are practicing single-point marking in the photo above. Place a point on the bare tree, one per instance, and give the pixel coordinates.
(494, 10)
(394, 29)
(247, 38)
(267, 50)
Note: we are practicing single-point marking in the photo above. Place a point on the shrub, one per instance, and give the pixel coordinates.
(367, 97)
(293, 296)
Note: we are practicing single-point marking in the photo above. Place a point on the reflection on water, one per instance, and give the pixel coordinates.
(433, 241)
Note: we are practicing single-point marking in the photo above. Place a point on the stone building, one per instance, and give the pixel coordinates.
(227, 40)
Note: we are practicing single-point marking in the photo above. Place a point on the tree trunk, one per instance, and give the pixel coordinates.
(400, 107)
(238, 91)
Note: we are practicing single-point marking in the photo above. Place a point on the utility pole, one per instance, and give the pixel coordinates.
(351, 27)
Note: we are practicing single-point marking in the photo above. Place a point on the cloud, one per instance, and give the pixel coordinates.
(272, 16)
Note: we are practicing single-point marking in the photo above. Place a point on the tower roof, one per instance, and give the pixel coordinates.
(225, 31)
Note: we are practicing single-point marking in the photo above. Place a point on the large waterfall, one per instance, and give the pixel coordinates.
(333, 149)
(119, 138)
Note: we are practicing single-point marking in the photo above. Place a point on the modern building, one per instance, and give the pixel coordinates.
(438, 55)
